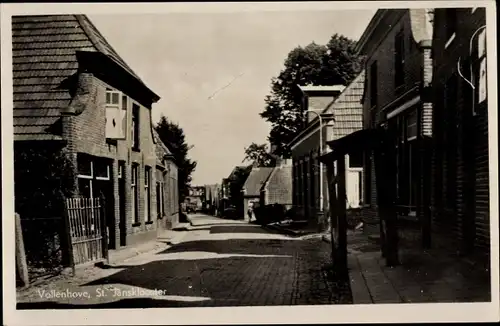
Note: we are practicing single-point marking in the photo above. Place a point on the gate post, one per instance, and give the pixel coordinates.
(104, 229)
(333, 206)
(386, 185)
(67, 233)
(341, 216)
(21, 264)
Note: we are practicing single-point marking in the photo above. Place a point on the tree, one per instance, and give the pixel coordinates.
(331, 64)
(259, 155)
(172, 135)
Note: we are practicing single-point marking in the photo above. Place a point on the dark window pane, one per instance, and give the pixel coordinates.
(115, 99)
(84, 165)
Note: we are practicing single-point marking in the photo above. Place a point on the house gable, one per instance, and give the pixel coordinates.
(46, 66)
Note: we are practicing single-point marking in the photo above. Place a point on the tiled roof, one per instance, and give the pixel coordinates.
(254, 182)
(279, 186)
(160, 148)
(347, 108)
(44, 58)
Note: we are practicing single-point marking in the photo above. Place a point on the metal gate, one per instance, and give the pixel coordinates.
(86, 221)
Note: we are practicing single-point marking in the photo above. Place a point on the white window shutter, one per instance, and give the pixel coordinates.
(112, 122)
(481, 47)
(482, 81)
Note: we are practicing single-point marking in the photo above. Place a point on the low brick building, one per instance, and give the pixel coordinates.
(341, 112)
(73, 89)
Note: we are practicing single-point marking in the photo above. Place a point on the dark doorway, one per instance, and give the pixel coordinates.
(121, 199)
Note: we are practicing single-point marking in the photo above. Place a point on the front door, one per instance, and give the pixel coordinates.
(121, 198)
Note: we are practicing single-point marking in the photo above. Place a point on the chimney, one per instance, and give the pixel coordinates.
(319, 98)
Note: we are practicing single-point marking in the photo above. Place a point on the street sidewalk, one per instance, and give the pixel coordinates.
(164, 240)
(422, 276)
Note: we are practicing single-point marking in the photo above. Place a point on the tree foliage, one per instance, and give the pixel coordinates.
(43, 177)
(172, 135)
(331, 64)
(259, 155)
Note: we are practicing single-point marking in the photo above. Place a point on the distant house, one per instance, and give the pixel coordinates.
(341, 114)
(277, 189)
(196, 197)
(232, 188)
(72, 91)
(253, 184)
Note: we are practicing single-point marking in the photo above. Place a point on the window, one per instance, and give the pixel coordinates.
(116, 114)
(135, 193)
(411, 125)
(356, 160)
(135, 127)
(160, 193)
(399, 51)
(89, 170)
(450, 25)
(373, 84)
(147, 194)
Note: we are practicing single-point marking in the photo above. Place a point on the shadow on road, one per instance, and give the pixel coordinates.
(252, 272)
(238, 246)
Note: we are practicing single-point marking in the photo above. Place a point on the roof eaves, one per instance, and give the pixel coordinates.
(83, 20)
(363, 40)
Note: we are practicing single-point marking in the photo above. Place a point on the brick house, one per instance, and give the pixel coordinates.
(397, 96)
(73, 89)
(306, 148)
(278, 188)
(341, 113)
(460, 184)
(253, 185)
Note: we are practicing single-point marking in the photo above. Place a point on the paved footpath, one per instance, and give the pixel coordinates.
(218, 263)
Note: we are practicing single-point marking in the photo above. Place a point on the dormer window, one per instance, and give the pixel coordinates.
(116, 114)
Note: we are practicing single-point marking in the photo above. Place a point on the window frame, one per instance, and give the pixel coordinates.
(135, 128)
(135, 194)
(147, 194)
(119, 106)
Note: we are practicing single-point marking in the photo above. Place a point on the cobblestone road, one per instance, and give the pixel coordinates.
(218, 263)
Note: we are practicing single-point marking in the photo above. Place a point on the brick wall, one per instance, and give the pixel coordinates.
(85, 133)
(471, 204)
(417, 68)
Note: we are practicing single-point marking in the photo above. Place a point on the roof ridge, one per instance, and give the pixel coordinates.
(98, 44)
(79, 18)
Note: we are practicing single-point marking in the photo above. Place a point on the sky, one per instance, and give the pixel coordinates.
(213, 70)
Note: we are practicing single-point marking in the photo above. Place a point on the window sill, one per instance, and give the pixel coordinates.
(136, 149)
(136, 224)
(149, 222)
(111, 141)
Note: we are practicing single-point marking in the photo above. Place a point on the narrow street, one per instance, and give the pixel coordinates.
(218, 263)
